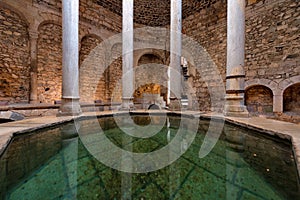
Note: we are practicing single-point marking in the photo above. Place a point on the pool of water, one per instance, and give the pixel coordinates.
(48, 165)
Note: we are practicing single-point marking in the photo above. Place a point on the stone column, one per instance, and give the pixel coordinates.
(127, 55)
(70, 83)
(174, 70)
(33, 67)
(235, 76)
(278, 103)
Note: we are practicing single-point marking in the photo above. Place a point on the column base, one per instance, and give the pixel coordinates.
(235, 107)
(69, 107)
(34, 102)
(236, 111)
(175, 104)
(127, 104)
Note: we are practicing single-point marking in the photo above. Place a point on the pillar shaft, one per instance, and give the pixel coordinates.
(174, 70)
(278, 103)
(33, 69)
(70, 83)
(235, 76)
(127, 55)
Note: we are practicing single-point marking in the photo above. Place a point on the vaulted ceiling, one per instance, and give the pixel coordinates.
(156, 12)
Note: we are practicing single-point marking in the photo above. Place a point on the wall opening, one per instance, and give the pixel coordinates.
(291, 99)
(259, 99)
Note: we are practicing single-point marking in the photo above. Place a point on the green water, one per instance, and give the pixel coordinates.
(64, 169)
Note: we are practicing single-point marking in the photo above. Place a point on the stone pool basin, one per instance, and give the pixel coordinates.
(283, 130)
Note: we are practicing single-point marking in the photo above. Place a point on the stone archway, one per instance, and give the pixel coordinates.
(291, 99)
(259, 99)
(91, 77)
(150, 79)
(49, 62)
(15, 57)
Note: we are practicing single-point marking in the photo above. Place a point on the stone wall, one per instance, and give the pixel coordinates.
(90, 12)
(96, 15)
(272, 48)
(272, 41)
(208, 29)
(91, 89)
(49, 63)
(115, 74)
(14, 58)
(44, 19)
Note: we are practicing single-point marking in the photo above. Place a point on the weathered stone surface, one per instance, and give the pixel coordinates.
(92, 75)
(150, 77)
(272, 50)
(50, 63)
(291, 99)
(272, 44)
(14, 57)
(9, 115)
(115, 74)
(259, 99)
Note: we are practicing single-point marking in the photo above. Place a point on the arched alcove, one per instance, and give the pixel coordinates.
(291, 99)
(49, 60)
(150, 78)
(92, 78)
(14, 57)
(259, 99)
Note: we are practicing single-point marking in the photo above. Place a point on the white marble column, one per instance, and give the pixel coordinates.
(70, 83)
(235, 76)
(33, 67)
(127, 55)
(174, 70)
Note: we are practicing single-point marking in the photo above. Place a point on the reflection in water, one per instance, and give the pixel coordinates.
(242, 165)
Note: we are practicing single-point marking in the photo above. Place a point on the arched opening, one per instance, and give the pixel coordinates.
(49, 62)
(14, 58)
(151, 80)
(92, 79)
(259, 99)
(291, 99)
